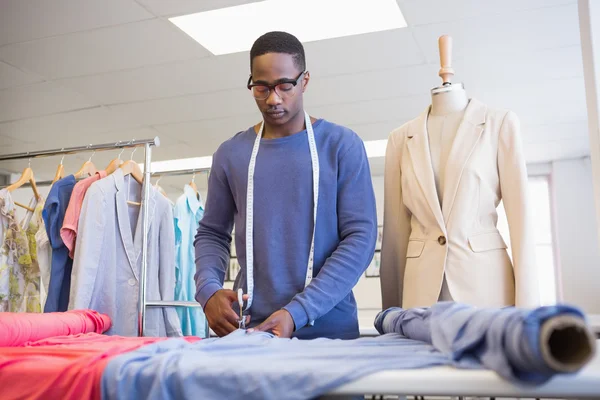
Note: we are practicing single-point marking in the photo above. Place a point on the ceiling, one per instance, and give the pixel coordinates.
(74, 72)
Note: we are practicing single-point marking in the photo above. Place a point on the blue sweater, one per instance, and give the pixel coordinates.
(283, 224)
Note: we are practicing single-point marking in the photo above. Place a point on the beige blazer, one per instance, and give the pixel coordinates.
(422, 239)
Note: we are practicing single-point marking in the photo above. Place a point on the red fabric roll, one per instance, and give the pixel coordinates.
(66, 368)
(16, 329)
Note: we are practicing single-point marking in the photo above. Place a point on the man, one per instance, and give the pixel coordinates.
(264, 185)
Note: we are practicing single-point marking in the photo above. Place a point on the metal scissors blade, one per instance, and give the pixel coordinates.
(242, 321)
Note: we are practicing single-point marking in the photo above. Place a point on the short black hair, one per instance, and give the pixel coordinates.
(279, 42)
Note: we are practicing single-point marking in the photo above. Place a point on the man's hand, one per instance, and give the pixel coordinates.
(219, 312)
(280, 323)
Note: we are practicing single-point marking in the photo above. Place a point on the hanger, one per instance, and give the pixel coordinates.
(26, 176)
(116, 163)
(132, 168)
(159, 188)
(87, 169)
(193, 185)
(60, 171)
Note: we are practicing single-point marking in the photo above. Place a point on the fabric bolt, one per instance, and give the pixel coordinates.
(506, 340)
(63, 367)
(257, 366)
(108, 258)
(346, 227)
(60, 270)
(19, 269)
(16, 329)
(44, 253)
(68, 232)
(187, 212)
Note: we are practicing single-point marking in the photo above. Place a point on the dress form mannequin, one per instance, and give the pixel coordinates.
(446, 171)
(448, 105)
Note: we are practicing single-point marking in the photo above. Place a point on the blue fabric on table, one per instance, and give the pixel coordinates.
(257, 366)
(505, 340)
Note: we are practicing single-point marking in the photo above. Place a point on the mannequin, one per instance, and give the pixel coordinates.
(448, 105)
(446, 172)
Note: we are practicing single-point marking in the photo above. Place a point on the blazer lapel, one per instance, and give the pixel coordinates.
(137, 244)
(466, 138)
(418, 147)
(123, 219)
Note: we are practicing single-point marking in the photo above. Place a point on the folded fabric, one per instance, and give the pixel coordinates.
(529, 346)
(16, 329)
(257, 366)
(65, 367)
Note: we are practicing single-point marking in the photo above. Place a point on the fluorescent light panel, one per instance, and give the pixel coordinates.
(374, 148)
(234, 29)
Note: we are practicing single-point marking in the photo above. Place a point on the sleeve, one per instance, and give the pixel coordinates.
(166, 273)
(51, 219)
(177, 258)
(396, 228)
(68, 231)
(512, 171)
(213, 239)
(357, 225)
(88, 248)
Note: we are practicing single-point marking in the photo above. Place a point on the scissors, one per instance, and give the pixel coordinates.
(242, 320)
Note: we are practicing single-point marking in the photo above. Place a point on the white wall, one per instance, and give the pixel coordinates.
(577, 234)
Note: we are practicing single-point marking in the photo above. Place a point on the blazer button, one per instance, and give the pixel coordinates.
(442, 240)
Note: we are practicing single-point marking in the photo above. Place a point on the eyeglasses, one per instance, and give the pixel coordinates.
(284, 88)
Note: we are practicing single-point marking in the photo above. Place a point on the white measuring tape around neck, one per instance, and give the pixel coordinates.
(250, 209)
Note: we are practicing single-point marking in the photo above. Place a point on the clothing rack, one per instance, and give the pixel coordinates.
(147, 144)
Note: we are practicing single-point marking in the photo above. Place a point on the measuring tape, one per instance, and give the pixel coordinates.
(250, 209)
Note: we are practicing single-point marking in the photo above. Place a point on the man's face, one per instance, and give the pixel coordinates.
(283, 103)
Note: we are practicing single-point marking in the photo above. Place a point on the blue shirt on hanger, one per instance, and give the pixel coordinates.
(60, 269)
(187, 213)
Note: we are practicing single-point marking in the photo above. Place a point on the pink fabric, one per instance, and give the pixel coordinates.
(65, 367)
(16, 329)
(68, 232)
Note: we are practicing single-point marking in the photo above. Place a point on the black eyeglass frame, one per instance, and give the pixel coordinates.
(271, 88)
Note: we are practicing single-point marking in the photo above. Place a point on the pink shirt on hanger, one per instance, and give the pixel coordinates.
(68, 232)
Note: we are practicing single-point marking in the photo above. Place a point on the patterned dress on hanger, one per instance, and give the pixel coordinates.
(19, 269)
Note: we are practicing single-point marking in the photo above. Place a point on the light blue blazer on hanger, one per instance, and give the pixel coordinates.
(108, 257)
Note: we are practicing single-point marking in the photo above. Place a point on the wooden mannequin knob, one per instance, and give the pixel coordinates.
(446, 72)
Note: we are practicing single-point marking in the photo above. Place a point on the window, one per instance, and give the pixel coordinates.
(539, 196)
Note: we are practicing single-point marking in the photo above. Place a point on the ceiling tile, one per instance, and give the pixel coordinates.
(365, 112)
(539, 102)
(529, 30)
(422, 12)
(167, 80)
(38, 99)
(22, 21)
(189, 108)
(71, 128)
(181, 7)
(373, 51)
(204, 137)
(535, 66)
(12, 77)
(371, 85)
(120, 47)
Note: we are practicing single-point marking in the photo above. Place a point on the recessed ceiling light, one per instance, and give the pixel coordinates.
(234, 29)
(374, 148)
